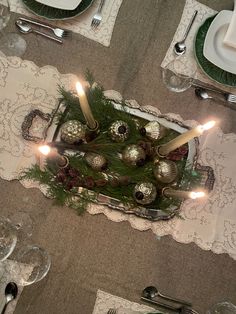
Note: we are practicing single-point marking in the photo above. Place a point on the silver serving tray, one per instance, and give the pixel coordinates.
(52, 134)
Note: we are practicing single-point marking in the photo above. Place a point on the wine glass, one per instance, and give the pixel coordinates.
(11, 44)
(33, 264)
(179, 74)
(223, 308)
(8, 239)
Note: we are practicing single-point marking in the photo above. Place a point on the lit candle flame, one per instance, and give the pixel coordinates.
(208, 125)
(79, 88)
(44, 149)
(195, 195)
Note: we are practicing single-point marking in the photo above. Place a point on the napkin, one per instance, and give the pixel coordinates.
(106, 301)
(230, 36)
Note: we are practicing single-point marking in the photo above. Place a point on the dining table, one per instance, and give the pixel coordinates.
(91, 252)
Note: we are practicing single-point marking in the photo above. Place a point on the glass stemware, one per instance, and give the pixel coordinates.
(35, 262)
(179, 74)
(11, 44)
(8, 239)
(223, 308)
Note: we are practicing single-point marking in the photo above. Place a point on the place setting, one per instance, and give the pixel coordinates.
(205, 57)
(55, 20)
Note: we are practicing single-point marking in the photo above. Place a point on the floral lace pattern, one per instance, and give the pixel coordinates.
(203, 13)
(106, 301)
(82, 23)
(210, 223)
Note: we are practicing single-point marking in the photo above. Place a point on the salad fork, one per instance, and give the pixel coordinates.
(58, 32)
(97, 16)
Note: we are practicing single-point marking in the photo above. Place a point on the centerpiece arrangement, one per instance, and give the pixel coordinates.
(111, 154)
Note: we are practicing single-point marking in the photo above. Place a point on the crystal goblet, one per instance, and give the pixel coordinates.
(179, 74)
(11, 44)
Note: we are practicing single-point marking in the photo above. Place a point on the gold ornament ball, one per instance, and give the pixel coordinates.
(153, 130)
(145, 193)
(165, 171)
(95, 161)
(73, 131)
(119, 131)
(134, 155)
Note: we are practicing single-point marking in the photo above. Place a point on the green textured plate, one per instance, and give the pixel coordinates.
(215, 73)
(53, 13)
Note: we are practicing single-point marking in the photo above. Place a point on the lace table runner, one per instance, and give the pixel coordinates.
(82, 23)
(106, 301)
(203, 13)
(211, 224)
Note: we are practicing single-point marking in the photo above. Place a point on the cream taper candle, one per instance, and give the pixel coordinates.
(91, 122)
(53, 154)
(168, 192)
(184, 138)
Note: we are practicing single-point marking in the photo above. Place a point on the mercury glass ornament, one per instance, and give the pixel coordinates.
(165, 171)
(153, 130)
(95, 161)
(119, 131)
(73, 131)
(145, 193)
(134, 155)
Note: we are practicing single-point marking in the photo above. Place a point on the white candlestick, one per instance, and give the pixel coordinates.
(91, 122)
(184, 138)
(168, 192)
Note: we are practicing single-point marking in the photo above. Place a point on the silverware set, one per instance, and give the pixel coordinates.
(27, 26)
(150, 293)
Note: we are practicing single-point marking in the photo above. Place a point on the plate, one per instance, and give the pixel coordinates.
(211, 70)
(61, 4)
(214, 49)
(50, 13)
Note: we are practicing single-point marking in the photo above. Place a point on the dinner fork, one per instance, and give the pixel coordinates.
(96, 20)
(59, 32)
(188, 310)
(112, 311)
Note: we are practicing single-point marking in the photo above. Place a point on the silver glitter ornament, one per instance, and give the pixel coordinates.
(153, 130)
(165, 171)
(95, 161)
(119, 131)
(134, 155)
(73, 131)
(145, 193)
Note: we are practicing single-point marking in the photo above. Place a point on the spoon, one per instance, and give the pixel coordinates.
(180, 46)
(151, 292)
(26, 28)
(11, 291)
(202, 94)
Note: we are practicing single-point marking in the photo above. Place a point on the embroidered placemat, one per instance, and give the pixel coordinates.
(106, 301)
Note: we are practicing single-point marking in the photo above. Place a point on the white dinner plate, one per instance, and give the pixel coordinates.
(214, 49)
(61, 4)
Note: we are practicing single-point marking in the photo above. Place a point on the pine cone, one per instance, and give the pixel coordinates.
(100, 182)
(88, 182)
(73, 173)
